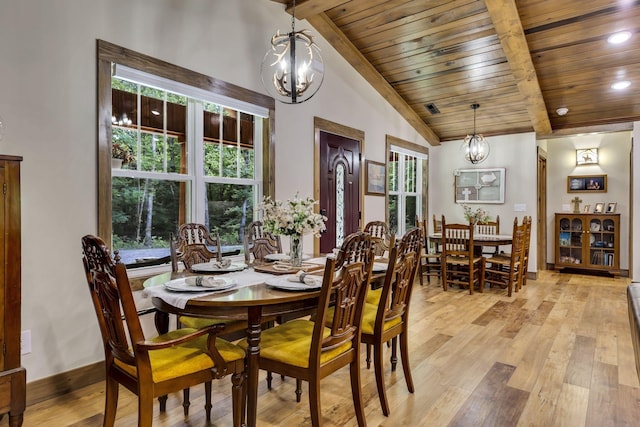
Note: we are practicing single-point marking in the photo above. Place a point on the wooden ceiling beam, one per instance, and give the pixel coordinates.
(506, 21)
(352, 55)
(308, 8)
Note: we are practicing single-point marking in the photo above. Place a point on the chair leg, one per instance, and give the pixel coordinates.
(356, 391)
(163, 403)
(421, 273)
(145, 409)
(314, 401)
(394, 353)
(298, 389)
(237, 398)
(185, 401)
(110, 402)
(368, 358)
(379, 369)
(269, 379)
(207, 399)
(404, 354)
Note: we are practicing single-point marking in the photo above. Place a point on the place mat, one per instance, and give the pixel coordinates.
(285, 268)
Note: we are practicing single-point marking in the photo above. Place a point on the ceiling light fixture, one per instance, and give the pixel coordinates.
(562, 111)
(475, 147)
(292, 69)
(621, 85)
(619, 37)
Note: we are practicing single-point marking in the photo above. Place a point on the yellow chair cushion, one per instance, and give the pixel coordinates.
(201, 322)
(373, 297)
(369, 319)
(290, 343)
(186, 358)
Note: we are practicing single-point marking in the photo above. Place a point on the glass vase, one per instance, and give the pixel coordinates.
(295, 252)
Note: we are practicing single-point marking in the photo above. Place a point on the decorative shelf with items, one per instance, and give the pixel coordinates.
(588, 242)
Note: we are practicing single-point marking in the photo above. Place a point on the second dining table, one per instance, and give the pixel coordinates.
(250, 299)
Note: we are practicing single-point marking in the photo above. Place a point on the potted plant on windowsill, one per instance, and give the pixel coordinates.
(120, 155)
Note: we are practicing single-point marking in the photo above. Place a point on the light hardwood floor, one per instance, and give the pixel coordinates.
(558, 353)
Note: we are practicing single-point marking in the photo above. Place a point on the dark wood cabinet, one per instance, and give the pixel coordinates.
(12, 375)
(588, 242)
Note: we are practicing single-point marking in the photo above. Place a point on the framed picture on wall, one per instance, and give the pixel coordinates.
(479, 185)
(587, 184)
(375, 178)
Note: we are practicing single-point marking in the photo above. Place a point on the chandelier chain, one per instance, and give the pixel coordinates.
(293, 17)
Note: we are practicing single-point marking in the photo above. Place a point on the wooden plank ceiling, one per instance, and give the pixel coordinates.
(520, 60)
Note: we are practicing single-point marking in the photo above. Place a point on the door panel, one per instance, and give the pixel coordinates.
(339, 188)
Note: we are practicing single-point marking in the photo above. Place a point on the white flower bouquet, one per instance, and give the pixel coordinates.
(477, 216)
(292, 217)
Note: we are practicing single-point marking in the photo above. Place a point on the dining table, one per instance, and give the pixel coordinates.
(250, 299)
(480, 240)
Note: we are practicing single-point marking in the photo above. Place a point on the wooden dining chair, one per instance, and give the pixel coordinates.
(156, 366)
(388, 319)
(259, 243)
(310, 351)
(429, 263)
(194, 244)
(507, 272)
(490, 228)
(382, 238)
(527, 246)
(460, 266)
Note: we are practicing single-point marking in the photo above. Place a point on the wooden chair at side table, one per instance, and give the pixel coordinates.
(382, 238)
(460, 266)
(259, 243)
(309, 350)
(429, 263)
(507, 272)
(388, 320)
(153, 367)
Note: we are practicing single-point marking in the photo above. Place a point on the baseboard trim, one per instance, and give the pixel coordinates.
(65, 382)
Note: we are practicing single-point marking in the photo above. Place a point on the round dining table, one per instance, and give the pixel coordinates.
(256, 303)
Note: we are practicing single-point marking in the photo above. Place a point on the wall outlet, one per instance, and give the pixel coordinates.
(25, 342)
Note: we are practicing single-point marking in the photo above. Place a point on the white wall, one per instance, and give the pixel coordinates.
(635, 237)
(516, 153)
(614, 160)
(47, 99)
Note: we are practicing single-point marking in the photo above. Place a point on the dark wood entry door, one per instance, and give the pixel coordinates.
(339, 188)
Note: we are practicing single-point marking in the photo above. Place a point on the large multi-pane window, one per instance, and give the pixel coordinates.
(190, 159)
(405, 189)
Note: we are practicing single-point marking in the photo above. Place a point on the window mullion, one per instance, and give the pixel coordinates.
(195, 156)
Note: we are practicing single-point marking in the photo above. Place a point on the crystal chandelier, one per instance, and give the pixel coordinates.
(475, 147)
(292, 69)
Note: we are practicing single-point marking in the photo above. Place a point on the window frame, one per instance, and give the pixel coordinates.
(109, 54)
(394, 144)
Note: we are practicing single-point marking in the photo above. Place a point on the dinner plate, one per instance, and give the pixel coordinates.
(379, 267)
(188, 284)
(282, 257)
(210, 267)
(281, 282)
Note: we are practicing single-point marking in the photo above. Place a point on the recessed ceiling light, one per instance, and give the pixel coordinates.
(562, 111)
(620, 37)
(621, 85)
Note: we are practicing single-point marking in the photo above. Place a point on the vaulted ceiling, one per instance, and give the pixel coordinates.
(520, 60)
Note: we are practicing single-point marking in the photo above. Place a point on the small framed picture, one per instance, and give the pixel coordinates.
(611, 207)
(375, 178)
(586, 209)
(599, 208)
(587, 184)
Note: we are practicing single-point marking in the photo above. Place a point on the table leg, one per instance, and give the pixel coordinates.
(161, 320)
(254, 319)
